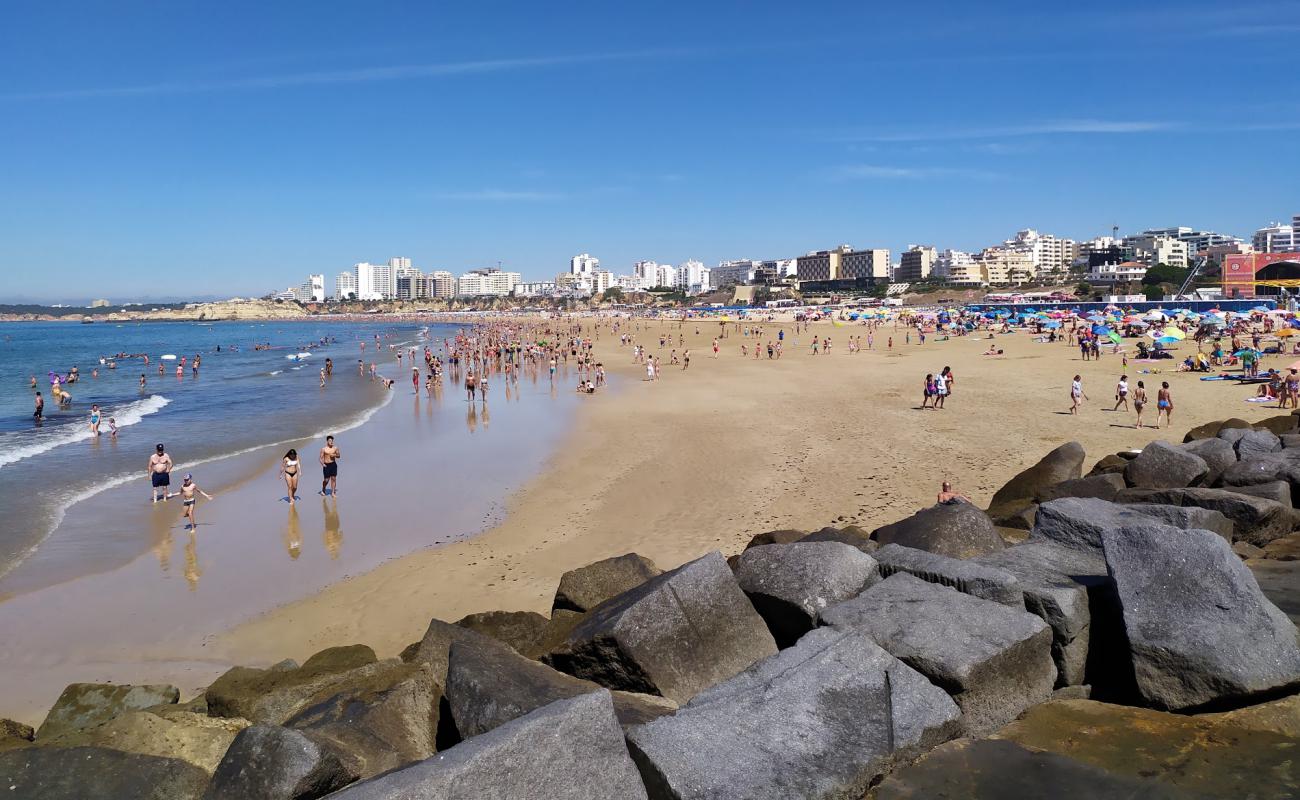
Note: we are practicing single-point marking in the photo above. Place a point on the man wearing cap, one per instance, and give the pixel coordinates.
(160, 467)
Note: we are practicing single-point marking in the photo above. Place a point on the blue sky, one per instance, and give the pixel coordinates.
(184, 148)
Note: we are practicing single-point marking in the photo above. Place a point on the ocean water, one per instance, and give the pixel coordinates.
(241, 399)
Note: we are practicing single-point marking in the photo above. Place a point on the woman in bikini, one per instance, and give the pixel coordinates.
(1164, 405)
(289, 471)
(1139, 401)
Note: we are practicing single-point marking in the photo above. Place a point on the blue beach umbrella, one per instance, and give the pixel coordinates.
(1053, 324)
(1167, 340)
(1100, 330)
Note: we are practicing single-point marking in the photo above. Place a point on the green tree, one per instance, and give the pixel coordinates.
(1163, 273)
(613, 295)
(1084, 289)
(1153, 291)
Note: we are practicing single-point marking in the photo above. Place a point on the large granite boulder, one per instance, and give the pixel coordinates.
(790, 584)
(1217, 454)
(1062, 464)
(1266, 468)
(196, 739)
(381, 721)
(851, 535)
(995, 661)
(273, 696)
(489, 685)
(958, 530)
(822, 719)
(520, 629)
(1207, 430)
(1254, 519)
(1280, 425)
(1104, 486)
(584, 588)
(1233, 435)
(989, 769)
(572, 749)
(267, 762)
(1257, 443)
(1277, 491)
(674, 635)
(432, 649)
(1199, 629)
(1077, 523)
(1163, 466)
(988, 583)
(1109, 465)
(782, 536)
(1186, 517)
(83, 705)
(15, 734)
(96, 773)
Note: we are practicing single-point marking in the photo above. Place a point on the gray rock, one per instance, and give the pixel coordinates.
(272, 697)
(822, 719)
(522, 630)
(82, 705)
(851, 535)
(1257, 443)
(585, 588)
(1077, 523)
(1280, 583)
(1233, 435)
(958, 530)
(1199, 629)
(379, 723)
(1104, 486)
(783, 536)
(1280, 425)
(1254, 519)
(1208, 430)
(674, 635)
(1112, 464)
(790, 584)
(1217, 454)
(433, 647)
(267, 762)
(1290, 440)
(1186, 517)
(974, 579)
(489, 685)
(1163, 466)
(995, 661)
(572, 749)
(1278, 491)
(1062, 464)
(96, 773)
(196, 739)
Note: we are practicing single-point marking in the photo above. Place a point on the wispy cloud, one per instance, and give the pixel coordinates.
(501, 195)
(854, 172)
(345, 76)
(1246, 31)
(958, 133)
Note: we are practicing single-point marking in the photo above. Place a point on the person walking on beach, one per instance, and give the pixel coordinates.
(1164, 405)
(1076, 392)
(289, 469)
(470, 385)
(39, 413)
(1139, 401)
(1121, 393)
(188, 489)
(160, 468)
(940, 389)
(928, 392)
(329, 461)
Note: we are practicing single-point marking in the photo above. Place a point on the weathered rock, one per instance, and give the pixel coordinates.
(1245, 754)
(995, 661)
(572, 749)
(1104, 486)
(1277, 491)
(988, 583)
(1290, 441)
(1186, 517)
(489, 685)
(96, 773)
(1057, 582)
(1233, 435)
(1199, 629)
(1163, 466)
(1217, 454)
(783, 536)
(1286, 548)
(193, 738)
(82, 705)
(1109, 465)
(267, 762)
(1254, 519)
(1208, 430)
(790, 584)
(520, 629)
(271, 697)
(585, 588)
(1279, 426)
(335, 659)
(1021, 517)
(1077, 523)
(1246, 550)
(1062, 464)
(1083, 692)
(958, 530)
(15, 734)
(1257, 443)
(820, 720)
(851, 535)
(380, 722)
(674, 635)
(558, 628)
(988, 769)
(433, 648)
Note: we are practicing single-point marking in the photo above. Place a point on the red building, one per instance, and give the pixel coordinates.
(1240, 272)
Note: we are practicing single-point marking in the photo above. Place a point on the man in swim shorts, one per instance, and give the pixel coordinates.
(160, 467)
(329, 461)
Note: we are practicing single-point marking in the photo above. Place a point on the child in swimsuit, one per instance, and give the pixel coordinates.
(188, 490)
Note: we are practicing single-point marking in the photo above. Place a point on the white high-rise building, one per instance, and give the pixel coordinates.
(1278, 237)
(583, 264)
(408, 282)
(1048, 253)
(399, 262)
(872, 263)
(345, 286)
(1197, 241)
(313, 289)
(374, 281)
(486, 282)
(1152, 250)
(647, 274)
(442, 283)
(739, 272)
(959, 268)
(691, 277)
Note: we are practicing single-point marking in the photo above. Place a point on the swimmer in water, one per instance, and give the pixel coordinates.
(188, 489)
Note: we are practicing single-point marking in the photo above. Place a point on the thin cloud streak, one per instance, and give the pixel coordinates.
(334, 77)
(854, 172)
(501, 195)
(1082, 126)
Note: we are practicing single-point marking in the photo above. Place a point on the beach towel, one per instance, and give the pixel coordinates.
(1261, 399)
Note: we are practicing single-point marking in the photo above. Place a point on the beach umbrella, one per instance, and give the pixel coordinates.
(1052, 325)
(1167, 340)
(1155, 315)
(1173, 333)
(1100, 330)
(1096, 318)
(1287, 332)
(1114, 337)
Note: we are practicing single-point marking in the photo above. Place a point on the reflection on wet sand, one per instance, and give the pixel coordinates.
(333, 534)
(192, 571)
(487, 419)
(293, 535)
(471, 418)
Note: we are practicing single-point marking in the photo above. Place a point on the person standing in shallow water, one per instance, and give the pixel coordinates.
(160, 467)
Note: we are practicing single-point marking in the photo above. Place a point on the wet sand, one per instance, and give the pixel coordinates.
(706, 458)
